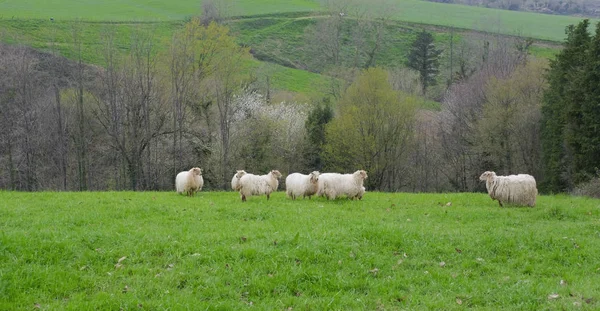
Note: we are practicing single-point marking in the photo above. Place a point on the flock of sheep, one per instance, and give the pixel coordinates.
(330, 185)
(513, 189)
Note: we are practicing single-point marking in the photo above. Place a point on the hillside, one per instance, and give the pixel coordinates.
(539, 26)
(57, 36)
(282, 39)
(274, 31)
(277, 41)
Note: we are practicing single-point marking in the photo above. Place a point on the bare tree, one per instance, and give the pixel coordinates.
(218, 59)
(215, 11)
(27, 114)
(406, 80)
(462, 107)
(508, 132)
(128, 107)
(325, 41)
(350, 35)
(61, 153)
(8, 113)
(79, 134)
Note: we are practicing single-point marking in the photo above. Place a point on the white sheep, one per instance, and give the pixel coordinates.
(297, 184)
(251, 184)
(333, 185)
(322, 178)
(235, 180)
(189, 181)
(513, 189)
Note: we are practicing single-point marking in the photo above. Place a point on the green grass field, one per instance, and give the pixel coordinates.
(540, 26)
(140, 10)
(390, 251)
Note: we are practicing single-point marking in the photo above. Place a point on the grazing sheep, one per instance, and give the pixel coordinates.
(350, 185)
(325, 177)
(297, 184)
(251, 184)
(513, 189)
(235, 181)
(189, 181)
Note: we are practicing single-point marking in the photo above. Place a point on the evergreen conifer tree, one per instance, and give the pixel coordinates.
(560, 110)
(318, 117)
(424, 58)
(587, 157)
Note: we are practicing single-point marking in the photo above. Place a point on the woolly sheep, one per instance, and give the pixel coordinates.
(251, 184)
(513, 189)
(189, 181)
(350, 185)
(322, 178)
(235, 181)
(297, 184)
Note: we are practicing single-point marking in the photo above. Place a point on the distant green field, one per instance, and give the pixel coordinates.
(140, 10)
(282, 40)
(390, 251)
(46, 35)
(541, 26)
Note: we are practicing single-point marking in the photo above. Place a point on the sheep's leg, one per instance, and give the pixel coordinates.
(268, 195)
(500, 202)
(243, 198)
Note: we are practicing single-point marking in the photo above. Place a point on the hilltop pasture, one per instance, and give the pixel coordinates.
(390, 251)
(539, 26)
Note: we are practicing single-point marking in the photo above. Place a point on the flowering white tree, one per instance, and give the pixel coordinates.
(267, 136)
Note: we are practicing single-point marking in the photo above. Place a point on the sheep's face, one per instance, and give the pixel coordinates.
(240, 173)
(314, 177)
(276, 173)
(196, 171)
(487, 175)
(362, 174)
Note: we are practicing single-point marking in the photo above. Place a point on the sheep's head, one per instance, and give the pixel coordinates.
(276, 174)
(196, 171)
(362, 174)
(487, 175)
(240, 173)
(314, 177)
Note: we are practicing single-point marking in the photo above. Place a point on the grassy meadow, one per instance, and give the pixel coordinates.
(390, 251)
(539, 26)
(141, 10)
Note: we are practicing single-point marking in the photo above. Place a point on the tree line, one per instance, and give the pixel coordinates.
(145, 115)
